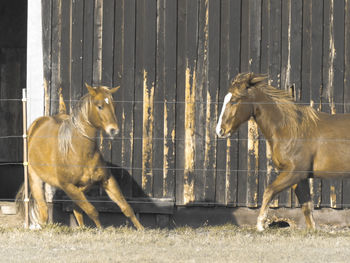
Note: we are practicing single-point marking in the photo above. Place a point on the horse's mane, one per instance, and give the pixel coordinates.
(75, 121)
(297, 118)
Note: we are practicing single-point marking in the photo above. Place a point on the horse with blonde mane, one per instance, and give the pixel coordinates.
(304, 143)
(63, 152)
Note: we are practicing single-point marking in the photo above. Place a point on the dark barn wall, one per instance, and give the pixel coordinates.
(13, 41)
(174, 61)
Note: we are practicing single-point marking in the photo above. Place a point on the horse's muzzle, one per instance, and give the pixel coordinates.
(221, 133)
(113, 132)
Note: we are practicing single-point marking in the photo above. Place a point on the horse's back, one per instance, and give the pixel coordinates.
(45, 121)
(332, 158)
(336, 126)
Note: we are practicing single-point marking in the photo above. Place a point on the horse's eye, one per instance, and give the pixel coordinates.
(100, 107)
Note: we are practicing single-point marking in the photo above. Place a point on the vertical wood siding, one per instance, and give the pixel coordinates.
(13, 41)
(174, 61)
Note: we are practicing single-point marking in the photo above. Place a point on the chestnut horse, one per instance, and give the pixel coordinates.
(304, 143)
(63, 152)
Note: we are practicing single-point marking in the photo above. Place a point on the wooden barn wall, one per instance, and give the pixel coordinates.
(174, 61)
(12, 78)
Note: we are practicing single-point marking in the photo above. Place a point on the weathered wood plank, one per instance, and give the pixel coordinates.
(315, 76)
(97, 43)
(346, 183)
(328, 59)
(66, 51)
(253, 134)
(170, 16)
(47, 29)
(138, 107)
(201, 72)
(56, 55)
(145, 81)
(274, 53)
(338, 84)
(125, 95)
(159, 107)
(77, 36)
(149, 122)
(164, 113)
(107, 64)
(332, 76)
(213, 80)
(296, 58)
(88, 41)
(242, 184)
(265, 165)
(186, 83)
(227, 150)
(117, 72)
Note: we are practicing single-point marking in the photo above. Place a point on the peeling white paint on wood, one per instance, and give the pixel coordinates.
(147, 130)
(190, 108)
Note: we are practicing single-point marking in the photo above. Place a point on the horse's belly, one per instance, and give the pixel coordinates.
(332, 160)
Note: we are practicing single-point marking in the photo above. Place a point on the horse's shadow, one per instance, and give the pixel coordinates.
(109, 212)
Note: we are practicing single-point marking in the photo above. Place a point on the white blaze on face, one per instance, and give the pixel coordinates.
(226, 100)
(107, 100)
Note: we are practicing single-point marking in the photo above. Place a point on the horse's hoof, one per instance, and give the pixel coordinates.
(140, 228)
(260, 227)
(35, 226)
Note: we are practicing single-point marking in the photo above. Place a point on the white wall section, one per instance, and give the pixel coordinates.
(35, 77)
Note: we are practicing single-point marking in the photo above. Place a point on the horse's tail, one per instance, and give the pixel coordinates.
(20, 199)
(62, 106)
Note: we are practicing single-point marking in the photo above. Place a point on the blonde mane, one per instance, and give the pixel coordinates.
(76, 120)
(297, 118)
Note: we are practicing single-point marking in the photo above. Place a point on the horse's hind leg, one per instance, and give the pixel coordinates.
(112, 189)
(80, 200)
(78, 213)
(36, 186)
(302, 191)
(284, 180)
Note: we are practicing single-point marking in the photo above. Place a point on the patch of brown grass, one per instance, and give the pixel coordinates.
(226, 243)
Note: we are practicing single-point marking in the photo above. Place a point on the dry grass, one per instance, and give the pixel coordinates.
(206, 244)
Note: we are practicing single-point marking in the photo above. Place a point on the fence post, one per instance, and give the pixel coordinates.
(25, 158)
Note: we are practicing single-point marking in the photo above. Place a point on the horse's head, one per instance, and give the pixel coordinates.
(101, 113)
(238, 104)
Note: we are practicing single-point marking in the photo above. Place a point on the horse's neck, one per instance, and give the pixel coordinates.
(268, 117)
(86, 130)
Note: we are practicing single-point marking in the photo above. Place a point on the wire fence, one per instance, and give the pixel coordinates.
(198, 138)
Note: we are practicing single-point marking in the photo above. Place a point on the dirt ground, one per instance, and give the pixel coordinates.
(225, 243)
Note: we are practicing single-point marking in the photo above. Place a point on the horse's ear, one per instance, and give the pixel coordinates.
(92, 90)
(112, 90)
(257, 78)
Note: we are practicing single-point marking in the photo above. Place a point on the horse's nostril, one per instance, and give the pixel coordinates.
(114, 132)
(222, 132)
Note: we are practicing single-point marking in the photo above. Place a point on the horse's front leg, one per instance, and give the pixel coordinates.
(113, 190)
(78, 197)
(283, 181)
